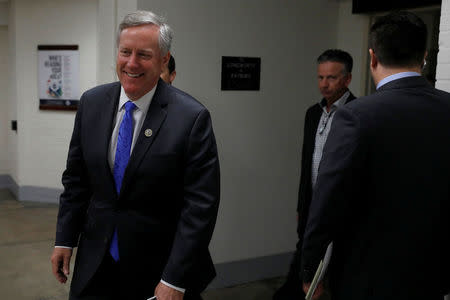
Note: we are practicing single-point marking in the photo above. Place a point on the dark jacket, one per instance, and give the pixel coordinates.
(383, 196)
(166, 210)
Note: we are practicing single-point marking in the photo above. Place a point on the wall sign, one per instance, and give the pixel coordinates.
(59, 73)
(240, 73)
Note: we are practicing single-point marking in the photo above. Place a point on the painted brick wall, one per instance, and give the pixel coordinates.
(4, 93)
(443, 68)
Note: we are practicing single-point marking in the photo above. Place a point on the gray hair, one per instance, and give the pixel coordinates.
(142, 17)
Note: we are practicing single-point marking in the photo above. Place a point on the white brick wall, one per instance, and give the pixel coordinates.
(4, 93)
(443, 67)
(43, 136)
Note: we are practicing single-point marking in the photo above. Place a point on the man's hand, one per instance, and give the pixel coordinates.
(317, 293)
(61, 263)
(163, 292)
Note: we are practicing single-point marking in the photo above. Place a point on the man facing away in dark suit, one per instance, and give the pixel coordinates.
(334, 74)
(382, 194)
(141, 186)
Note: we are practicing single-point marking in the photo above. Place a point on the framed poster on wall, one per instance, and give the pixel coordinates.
(59, 77)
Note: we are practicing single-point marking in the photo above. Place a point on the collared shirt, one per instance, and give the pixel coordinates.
(322, 133)
(396, 76)
(139, 114)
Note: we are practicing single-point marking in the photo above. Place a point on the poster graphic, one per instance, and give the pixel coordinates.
(58, 77)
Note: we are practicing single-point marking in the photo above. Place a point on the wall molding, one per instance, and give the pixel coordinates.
(6, 181)
(244, 271)
(30, 193)
(228, 274)
(39, 194)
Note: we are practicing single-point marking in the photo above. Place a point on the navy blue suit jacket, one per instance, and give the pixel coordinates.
(383, 196)
(166, 210)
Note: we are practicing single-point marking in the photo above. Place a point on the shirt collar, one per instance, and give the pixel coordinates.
(336, 103)
(142, 103)
(396, 76)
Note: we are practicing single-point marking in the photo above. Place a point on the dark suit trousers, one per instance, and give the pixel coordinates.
(105, 285)
(292, 288)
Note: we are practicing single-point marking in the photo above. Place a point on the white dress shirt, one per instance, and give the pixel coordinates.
(139, 114)
(322, 133)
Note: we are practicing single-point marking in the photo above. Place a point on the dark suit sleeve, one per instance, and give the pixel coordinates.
(201, 201)
(303, 175)
(74, 199)
(339, 171)
(304, 190)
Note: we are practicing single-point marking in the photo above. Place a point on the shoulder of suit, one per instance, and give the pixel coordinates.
(179, 97)
(102, 89)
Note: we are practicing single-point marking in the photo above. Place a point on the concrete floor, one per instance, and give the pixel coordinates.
(27, 233)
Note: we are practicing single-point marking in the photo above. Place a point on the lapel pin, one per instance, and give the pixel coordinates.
(148, 132)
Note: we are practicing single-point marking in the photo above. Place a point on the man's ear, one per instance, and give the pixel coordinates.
(172, 76)
(424, 63)
(166, 58)
(373, 59)
(348, 80)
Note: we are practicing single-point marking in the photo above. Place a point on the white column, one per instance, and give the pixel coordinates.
(110, 14)
(13, 138)
(443, 65)
(107, 26)
(443, 62)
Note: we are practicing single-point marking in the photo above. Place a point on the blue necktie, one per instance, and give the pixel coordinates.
(120, 163)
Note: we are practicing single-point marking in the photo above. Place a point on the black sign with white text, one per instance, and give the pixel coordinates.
(240, 73)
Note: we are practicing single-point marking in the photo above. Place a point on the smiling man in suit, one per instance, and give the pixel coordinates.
(141, 186)
(382, 193)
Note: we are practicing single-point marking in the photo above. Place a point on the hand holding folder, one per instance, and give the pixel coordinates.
(320, 272)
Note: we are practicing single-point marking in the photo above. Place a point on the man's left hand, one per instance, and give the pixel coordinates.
(163, 292)
(317, 293)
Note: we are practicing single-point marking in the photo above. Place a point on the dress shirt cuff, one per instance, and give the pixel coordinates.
(172, 286)
(63, 247)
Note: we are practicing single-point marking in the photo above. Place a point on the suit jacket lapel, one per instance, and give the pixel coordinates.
(105, 127)
(156, 115)
(315, 120)
(107, 115)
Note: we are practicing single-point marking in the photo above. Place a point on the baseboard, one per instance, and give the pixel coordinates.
(238, 272)
(228, 274)
(39, 194)
(6, 182)
(30, 193)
